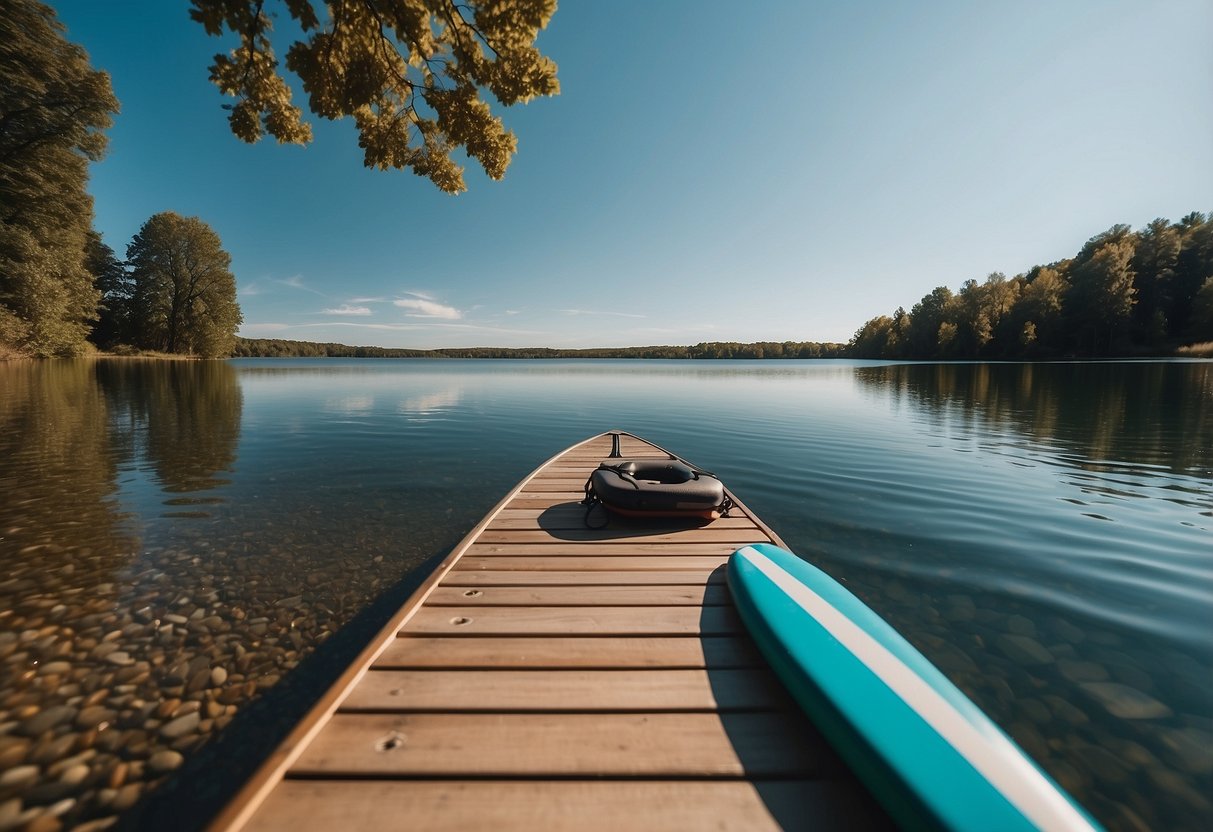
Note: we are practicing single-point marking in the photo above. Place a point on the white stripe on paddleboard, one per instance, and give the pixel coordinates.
(993, 756)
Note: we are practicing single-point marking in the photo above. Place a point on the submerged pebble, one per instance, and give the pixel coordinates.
(1024, 650)
(1126, 702)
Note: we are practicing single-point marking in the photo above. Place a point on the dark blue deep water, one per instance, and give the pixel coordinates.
(189, 532)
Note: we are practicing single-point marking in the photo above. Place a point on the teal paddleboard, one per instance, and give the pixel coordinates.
(925, 751)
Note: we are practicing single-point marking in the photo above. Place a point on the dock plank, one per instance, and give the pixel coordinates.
(607, 563)
(600, 652)
(561, 520)
(558, 745)
(568, 806)
(565, 549)
(520, 577)
(607, 621)
(575, 510)
(575, 485)
(543, 500)
(574, 690)
(708, 534)
(580, 596)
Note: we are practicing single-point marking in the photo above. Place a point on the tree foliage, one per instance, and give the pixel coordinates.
(184, 293)
(926, 318)
(411, 73)
(1124, 292)
(1102, 293)
(53, 107)
(113, 284)
(1202, 313)
(1154, 261)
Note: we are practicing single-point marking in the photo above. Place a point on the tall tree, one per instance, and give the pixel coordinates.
(184, 297)
(1101, 292)
(1192, 268)
(1154, 275)
(923, 336)
(411, 73)
(53, 107)
(1118, 233)
(981, 309)
(1201, 321)
(874, 339)
(1039, 311)
(113, 283)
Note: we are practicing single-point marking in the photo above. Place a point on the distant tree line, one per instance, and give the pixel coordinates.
(60, 285)
(1123, 293)
(278, 348)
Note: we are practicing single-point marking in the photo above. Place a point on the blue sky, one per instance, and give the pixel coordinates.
(710, 171)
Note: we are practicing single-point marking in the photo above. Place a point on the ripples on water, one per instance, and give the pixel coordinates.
(175, 538)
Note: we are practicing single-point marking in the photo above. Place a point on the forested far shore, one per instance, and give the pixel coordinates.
(1125, 293)
(279, 348)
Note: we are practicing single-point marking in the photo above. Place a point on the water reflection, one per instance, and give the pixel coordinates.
(428, 405)
(130, 634)
(350, 405)
(58, 466)
(182, 417)
(63, 534)
(1058, 565)
(1108, 414)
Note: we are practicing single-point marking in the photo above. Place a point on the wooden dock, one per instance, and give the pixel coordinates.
(548, 676)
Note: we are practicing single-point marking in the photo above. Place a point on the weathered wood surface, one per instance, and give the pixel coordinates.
(610, 562)
(561, 745)
(551, 676)
(571, 652)
(580, 596)
(553, 691)
(584, 621)
(488, 576)
(565, 805)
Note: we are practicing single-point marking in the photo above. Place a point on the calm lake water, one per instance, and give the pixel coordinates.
(181, 543)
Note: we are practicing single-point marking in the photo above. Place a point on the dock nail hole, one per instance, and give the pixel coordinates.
(460, 620)
(392, 741)
(473, 593)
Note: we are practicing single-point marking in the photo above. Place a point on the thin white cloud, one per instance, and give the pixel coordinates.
(428, 309)
(422, 295)
(367, 300)
(511, 311)
(249, 329)
(346, 309)
(600, 312)
(252, 289)
(418, 327)
(296, 282)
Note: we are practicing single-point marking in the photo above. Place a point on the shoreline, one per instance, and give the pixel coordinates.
(1200, 350)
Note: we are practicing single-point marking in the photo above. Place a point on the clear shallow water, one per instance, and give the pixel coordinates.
(1042, 532)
